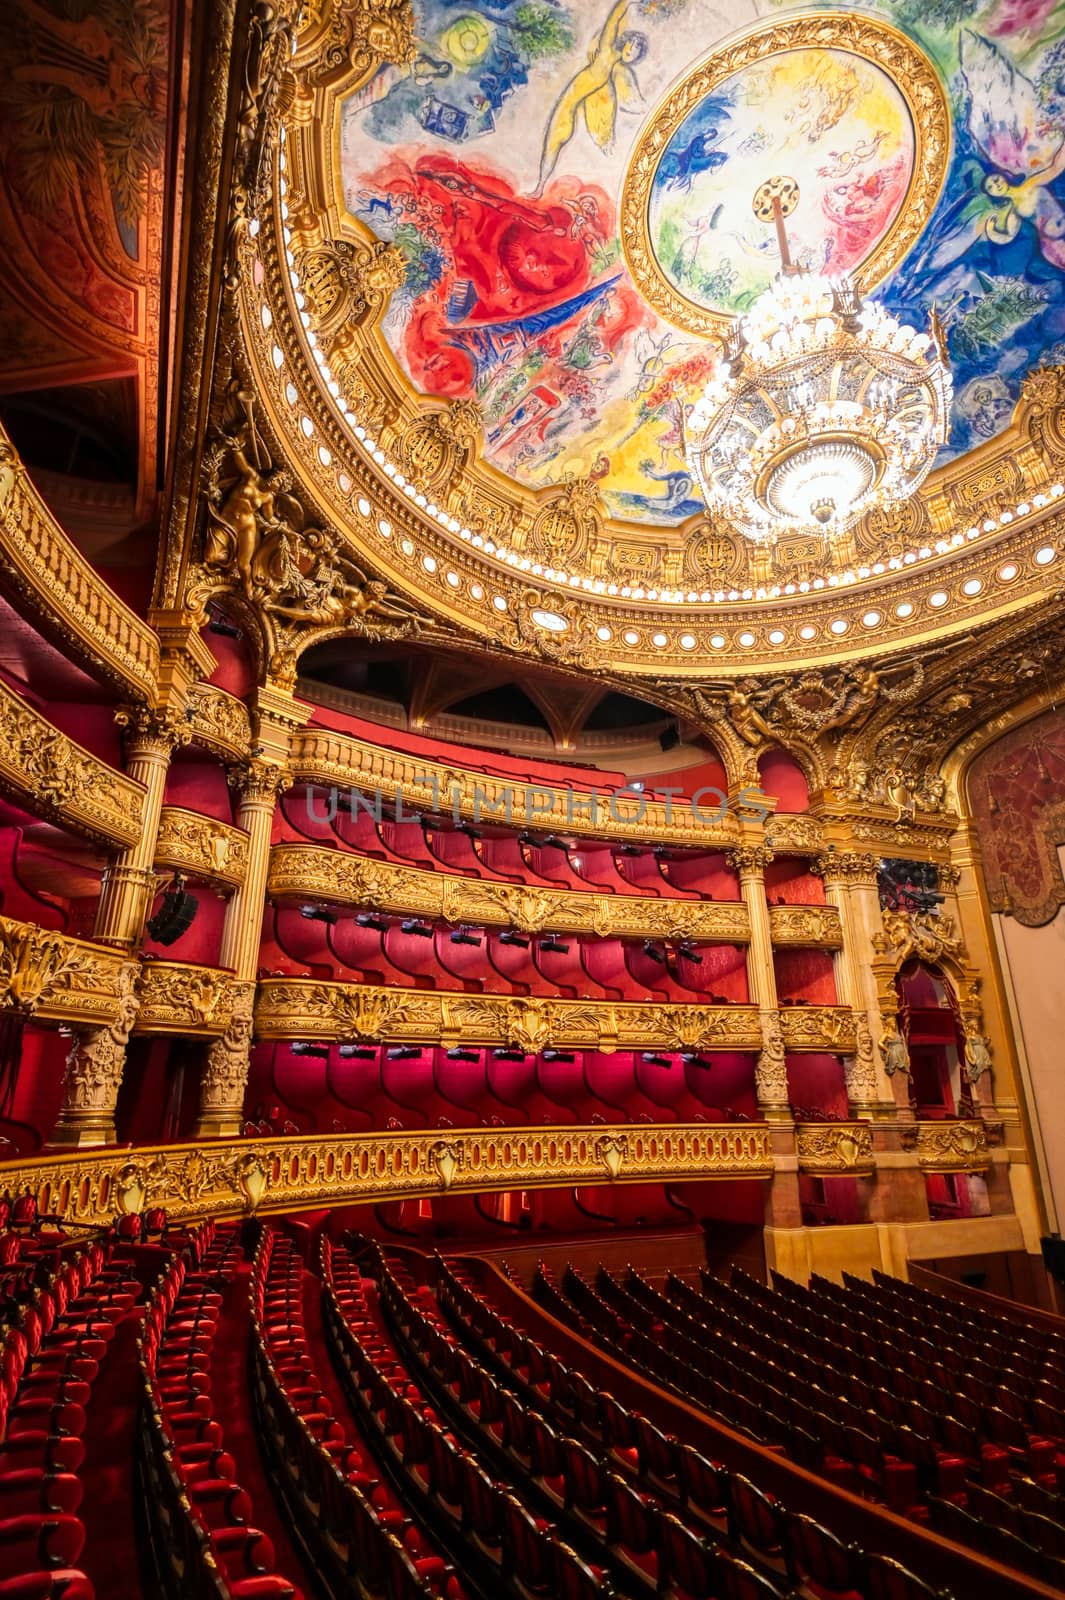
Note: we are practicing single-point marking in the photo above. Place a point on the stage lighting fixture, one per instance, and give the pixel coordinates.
(508, 1055)
(656, 1061)
(303, 1047)
(510, 936)
(356, 1052)
(368, 919)
(654, 951)
(669, 738)
(412, 925)
(691, 1059)
(403, 1052)
(554, 947)
(556, 1055)
(464, 936)
(689, 954)
(458, 1054)
(318, 914)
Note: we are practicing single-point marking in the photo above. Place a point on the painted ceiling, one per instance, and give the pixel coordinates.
(571, 187)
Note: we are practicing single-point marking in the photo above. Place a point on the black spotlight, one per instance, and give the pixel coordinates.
(464, 936)
(303, 1047)
(403, 1052)
(216, 623)
(656, 1061)
(654, 951)
(510, 936)
(176, 914)
(458, 1054)
(669, 738)
(356, 1052)
(412, 925)
(367, 919)
(508, 1055)
(318, 914)
(554, 946)
(557, 1055)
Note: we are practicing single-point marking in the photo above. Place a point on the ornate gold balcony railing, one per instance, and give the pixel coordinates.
(54, 777)
(201, 846)
(806, 925)
(827, 1149)
(219, 721)
(307, 1008)
(52, 978)
(293, 1174)
(178, 997)
(56, 582)
(311, 872)
(955, 1146)
(322, 756)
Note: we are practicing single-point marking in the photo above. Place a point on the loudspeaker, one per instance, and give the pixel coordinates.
(669, 738)
(175, 916)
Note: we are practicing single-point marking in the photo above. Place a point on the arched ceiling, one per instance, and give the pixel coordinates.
(570, 189)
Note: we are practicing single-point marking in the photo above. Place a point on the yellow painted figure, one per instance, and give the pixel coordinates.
(599, 89)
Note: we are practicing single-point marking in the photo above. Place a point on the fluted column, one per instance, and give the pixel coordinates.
(94, 1072)
(770, 1077)
(850, 879)
(222, 1086)
(128, 884)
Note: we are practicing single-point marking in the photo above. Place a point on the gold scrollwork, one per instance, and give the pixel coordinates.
(176, 997)
(292, 1174)
(825, 1148)
(952, 1146)
(310, 871)
(806, 925)
(190, 842)
(56, 979)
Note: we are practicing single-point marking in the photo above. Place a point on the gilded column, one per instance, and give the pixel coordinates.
(94, 1072)
(222, 1087)
(770, 1077)
(850, 879)
(129, 882)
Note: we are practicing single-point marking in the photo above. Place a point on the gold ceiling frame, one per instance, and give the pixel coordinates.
(877, 43)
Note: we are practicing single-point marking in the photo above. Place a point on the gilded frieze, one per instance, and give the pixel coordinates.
(953, 1146)
(53, 978)
(806, 925)
(827, 1149)
(176, 997)
(202, 846)
(219, 722)
(309, 871)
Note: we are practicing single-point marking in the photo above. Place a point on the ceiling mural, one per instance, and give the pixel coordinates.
(83, 93)
(504, 160)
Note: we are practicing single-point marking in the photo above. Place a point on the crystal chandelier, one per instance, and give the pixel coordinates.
(820, 407)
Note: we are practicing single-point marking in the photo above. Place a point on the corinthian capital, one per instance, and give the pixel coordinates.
(847, 866)
(149, 732)
(259, 780)
(748, 859)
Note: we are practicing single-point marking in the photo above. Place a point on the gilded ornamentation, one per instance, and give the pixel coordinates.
(94, 1070)
(148, 732)
(806, 925)
(369, 1014)
(831, 1026)
(1044, 394)
(977, 1056)
(871, 39)
(825, 1148)
(917, 935)
(178, 998)
(308, 871)
(267, 49)
(202, 846)
(858, 867)
(567, 524)
(818, 701)
(33, 963)
(259, 782)
(860, 1068)
(298, 1173)
(60, 778)
(349, 284)
(219, 722)
(952, 1146)
(771, 1072)
(226, 1071)
(576, 646)
(749, 860)
(795, 834)
(439, 445)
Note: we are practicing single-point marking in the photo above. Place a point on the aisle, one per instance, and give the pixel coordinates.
(109, 1509)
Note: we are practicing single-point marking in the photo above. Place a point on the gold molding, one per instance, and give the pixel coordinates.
(189, 842)
(178, 997)
(827, 1149)
(959, 1146)
(220, 723)
(337, 760)
(53, 978)
(55, 581)
(60, 780)
(896, 56)
(297, 1174)
(313, 872)
(308, 1008)
(806, 925)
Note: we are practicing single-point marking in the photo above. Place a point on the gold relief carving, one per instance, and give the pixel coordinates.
(225, 1074)
(770, 1071)
(62, 588)
(913, 75)
(95, 1065)
(178, 998)
(749, 860)
(59, 778)
(805, 925)
(949, 875)
(977, 1055)
(824, 1148)
(1043, 394)
(952, 1146)
(795, 834)
(917, 935)
(322, 756)
(567, 524)
(297, 1173)
(310, 871)
(56, 979)
(860, 1068)
(894, 1053)
(348, 283)
(829, 1028)
(859, 867)
(202, 846)
(259, 782)
(714, 557)
(576, 646)
(892, 530)
(998, 486)
(437, 446)
(219, 722)
(301, 1008)
(148, 732)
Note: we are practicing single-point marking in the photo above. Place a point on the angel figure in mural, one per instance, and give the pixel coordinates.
(607, 85)
(1025, 151)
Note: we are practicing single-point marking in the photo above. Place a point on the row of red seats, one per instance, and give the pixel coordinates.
(593, 865)
(791, 1544)
(500, 1538)
(360, 1530)
(49, 1360)
(201, 1516)
(345, 945)
(593, 1485)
